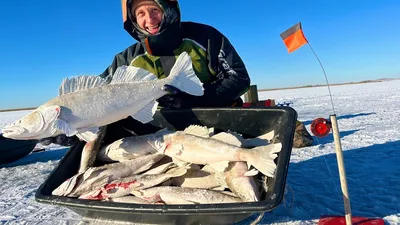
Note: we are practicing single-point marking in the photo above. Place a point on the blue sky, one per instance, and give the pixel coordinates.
(42, 42)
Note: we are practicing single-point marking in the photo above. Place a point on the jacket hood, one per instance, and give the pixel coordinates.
(169, 36)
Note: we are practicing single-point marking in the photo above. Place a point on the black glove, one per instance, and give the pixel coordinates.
(61, 139)
(176, 100)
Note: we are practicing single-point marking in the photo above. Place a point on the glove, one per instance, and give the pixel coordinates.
(176, 99)
(179, 101)
(61, 139)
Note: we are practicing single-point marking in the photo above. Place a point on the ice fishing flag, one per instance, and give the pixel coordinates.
(294, 38)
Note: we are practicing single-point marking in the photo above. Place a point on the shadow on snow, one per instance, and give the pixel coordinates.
(373, 175)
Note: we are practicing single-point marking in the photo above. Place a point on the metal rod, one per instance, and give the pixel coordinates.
(342, 171)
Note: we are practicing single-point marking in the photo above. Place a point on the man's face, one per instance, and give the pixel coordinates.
(148, 15)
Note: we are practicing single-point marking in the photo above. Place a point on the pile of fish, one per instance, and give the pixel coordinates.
(193, 166)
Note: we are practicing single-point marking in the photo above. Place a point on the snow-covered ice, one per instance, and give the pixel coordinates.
(368, 118)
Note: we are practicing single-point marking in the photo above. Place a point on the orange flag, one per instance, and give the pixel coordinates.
(294, 38)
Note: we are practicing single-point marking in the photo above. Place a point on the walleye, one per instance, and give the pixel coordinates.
(86, 103)
(180, 195)
(128, 148)
(240, 181)
(90, 151)
(201, 150)
(237, 177)
(95, 177)
(123, 186)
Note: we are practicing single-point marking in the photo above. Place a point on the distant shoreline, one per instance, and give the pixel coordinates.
(266, 89)
(324, 85)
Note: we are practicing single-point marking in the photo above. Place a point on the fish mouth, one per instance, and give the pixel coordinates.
(13, 132)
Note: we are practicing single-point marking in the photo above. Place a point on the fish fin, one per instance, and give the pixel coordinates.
(229, 193)
(145, 115)
(170, 199)
(208, 168)
(92, 195)
(176, 171)
(65, 127)
(67, 186)
(262, 158)
(197, 130)
(129, 74)
(183, 77)
(79, 83)
(267, 136)
(261, 140)
(220, 188)
(219, 166)
(88, 135)
(227, 138)
(220, 179)
(180, 163)
(138, 193)
(250, 173)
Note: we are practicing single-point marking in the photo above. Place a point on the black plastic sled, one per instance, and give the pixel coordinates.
(12, 150)
(250, 122)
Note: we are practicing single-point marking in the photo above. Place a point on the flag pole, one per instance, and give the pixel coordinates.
(342, 171)
(294, 38)
(339, 152)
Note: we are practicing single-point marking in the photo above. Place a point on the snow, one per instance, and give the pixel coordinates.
(368, 119)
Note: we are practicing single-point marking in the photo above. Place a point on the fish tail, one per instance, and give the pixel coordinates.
(262, 158)
(183, 77)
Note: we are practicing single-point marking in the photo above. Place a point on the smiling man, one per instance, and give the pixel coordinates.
(161, 36)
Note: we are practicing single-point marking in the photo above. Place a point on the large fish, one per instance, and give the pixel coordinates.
(86, 103)
(131, 147)
(195, 149)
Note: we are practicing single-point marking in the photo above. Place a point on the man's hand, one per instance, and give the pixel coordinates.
(176, 99)
(171, 89)
(61, 139)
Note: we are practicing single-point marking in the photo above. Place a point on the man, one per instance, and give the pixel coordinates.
(161, 37)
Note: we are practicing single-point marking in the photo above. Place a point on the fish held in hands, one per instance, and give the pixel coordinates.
(86, 103)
